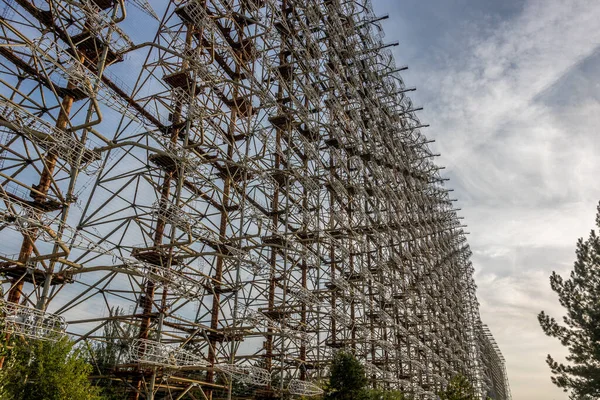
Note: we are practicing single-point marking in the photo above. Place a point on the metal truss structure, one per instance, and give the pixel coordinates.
(494, 379)
(241, 187)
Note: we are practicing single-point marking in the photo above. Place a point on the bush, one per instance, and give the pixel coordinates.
(348, 381)
(347, 378)
(378, 394)
(46, 370)
(459, 388)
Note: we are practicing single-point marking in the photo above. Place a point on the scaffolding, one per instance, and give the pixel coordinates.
(493, 367)
(249, 179)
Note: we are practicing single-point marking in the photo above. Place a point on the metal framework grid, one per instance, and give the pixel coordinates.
(240, 188)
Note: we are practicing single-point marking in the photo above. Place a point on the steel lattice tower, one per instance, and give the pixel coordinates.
(235, 189)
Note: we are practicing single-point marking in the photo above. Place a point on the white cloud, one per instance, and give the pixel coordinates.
(522, 155)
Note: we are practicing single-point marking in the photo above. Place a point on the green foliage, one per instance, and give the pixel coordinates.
(379, 394)
(46, 370)
(580, 296)
(459, 388)
(347, 380)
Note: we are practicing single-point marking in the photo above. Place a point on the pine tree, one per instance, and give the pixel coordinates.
(46, 370)
(459, 388)
(379, 394)
(580, 296)
(347, 380)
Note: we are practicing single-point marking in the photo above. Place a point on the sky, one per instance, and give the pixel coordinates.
(511, 91)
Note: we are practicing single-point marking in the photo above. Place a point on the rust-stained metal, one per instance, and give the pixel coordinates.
(240, 189)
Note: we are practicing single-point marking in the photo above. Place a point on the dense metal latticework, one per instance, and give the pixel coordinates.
(239, 188)
(494, 379)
